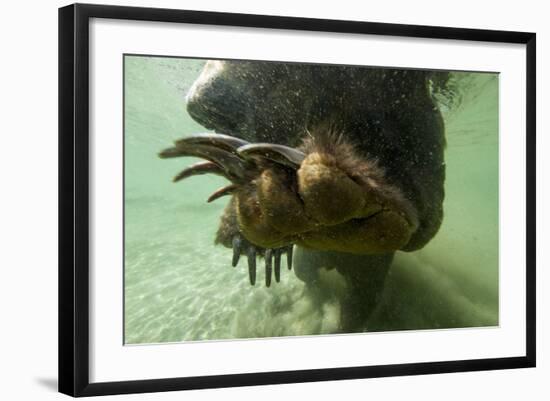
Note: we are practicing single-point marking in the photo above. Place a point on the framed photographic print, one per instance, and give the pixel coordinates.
(249, 199)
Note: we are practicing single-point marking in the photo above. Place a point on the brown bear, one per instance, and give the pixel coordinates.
(344, 162)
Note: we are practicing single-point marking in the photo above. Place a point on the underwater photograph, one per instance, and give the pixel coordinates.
(271, 199)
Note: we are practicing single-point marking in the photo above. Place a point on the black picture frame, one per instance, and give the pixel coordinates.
(74, 194)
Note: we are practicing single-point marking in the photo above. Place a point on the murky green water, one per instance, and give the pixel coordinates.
(179, 286)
